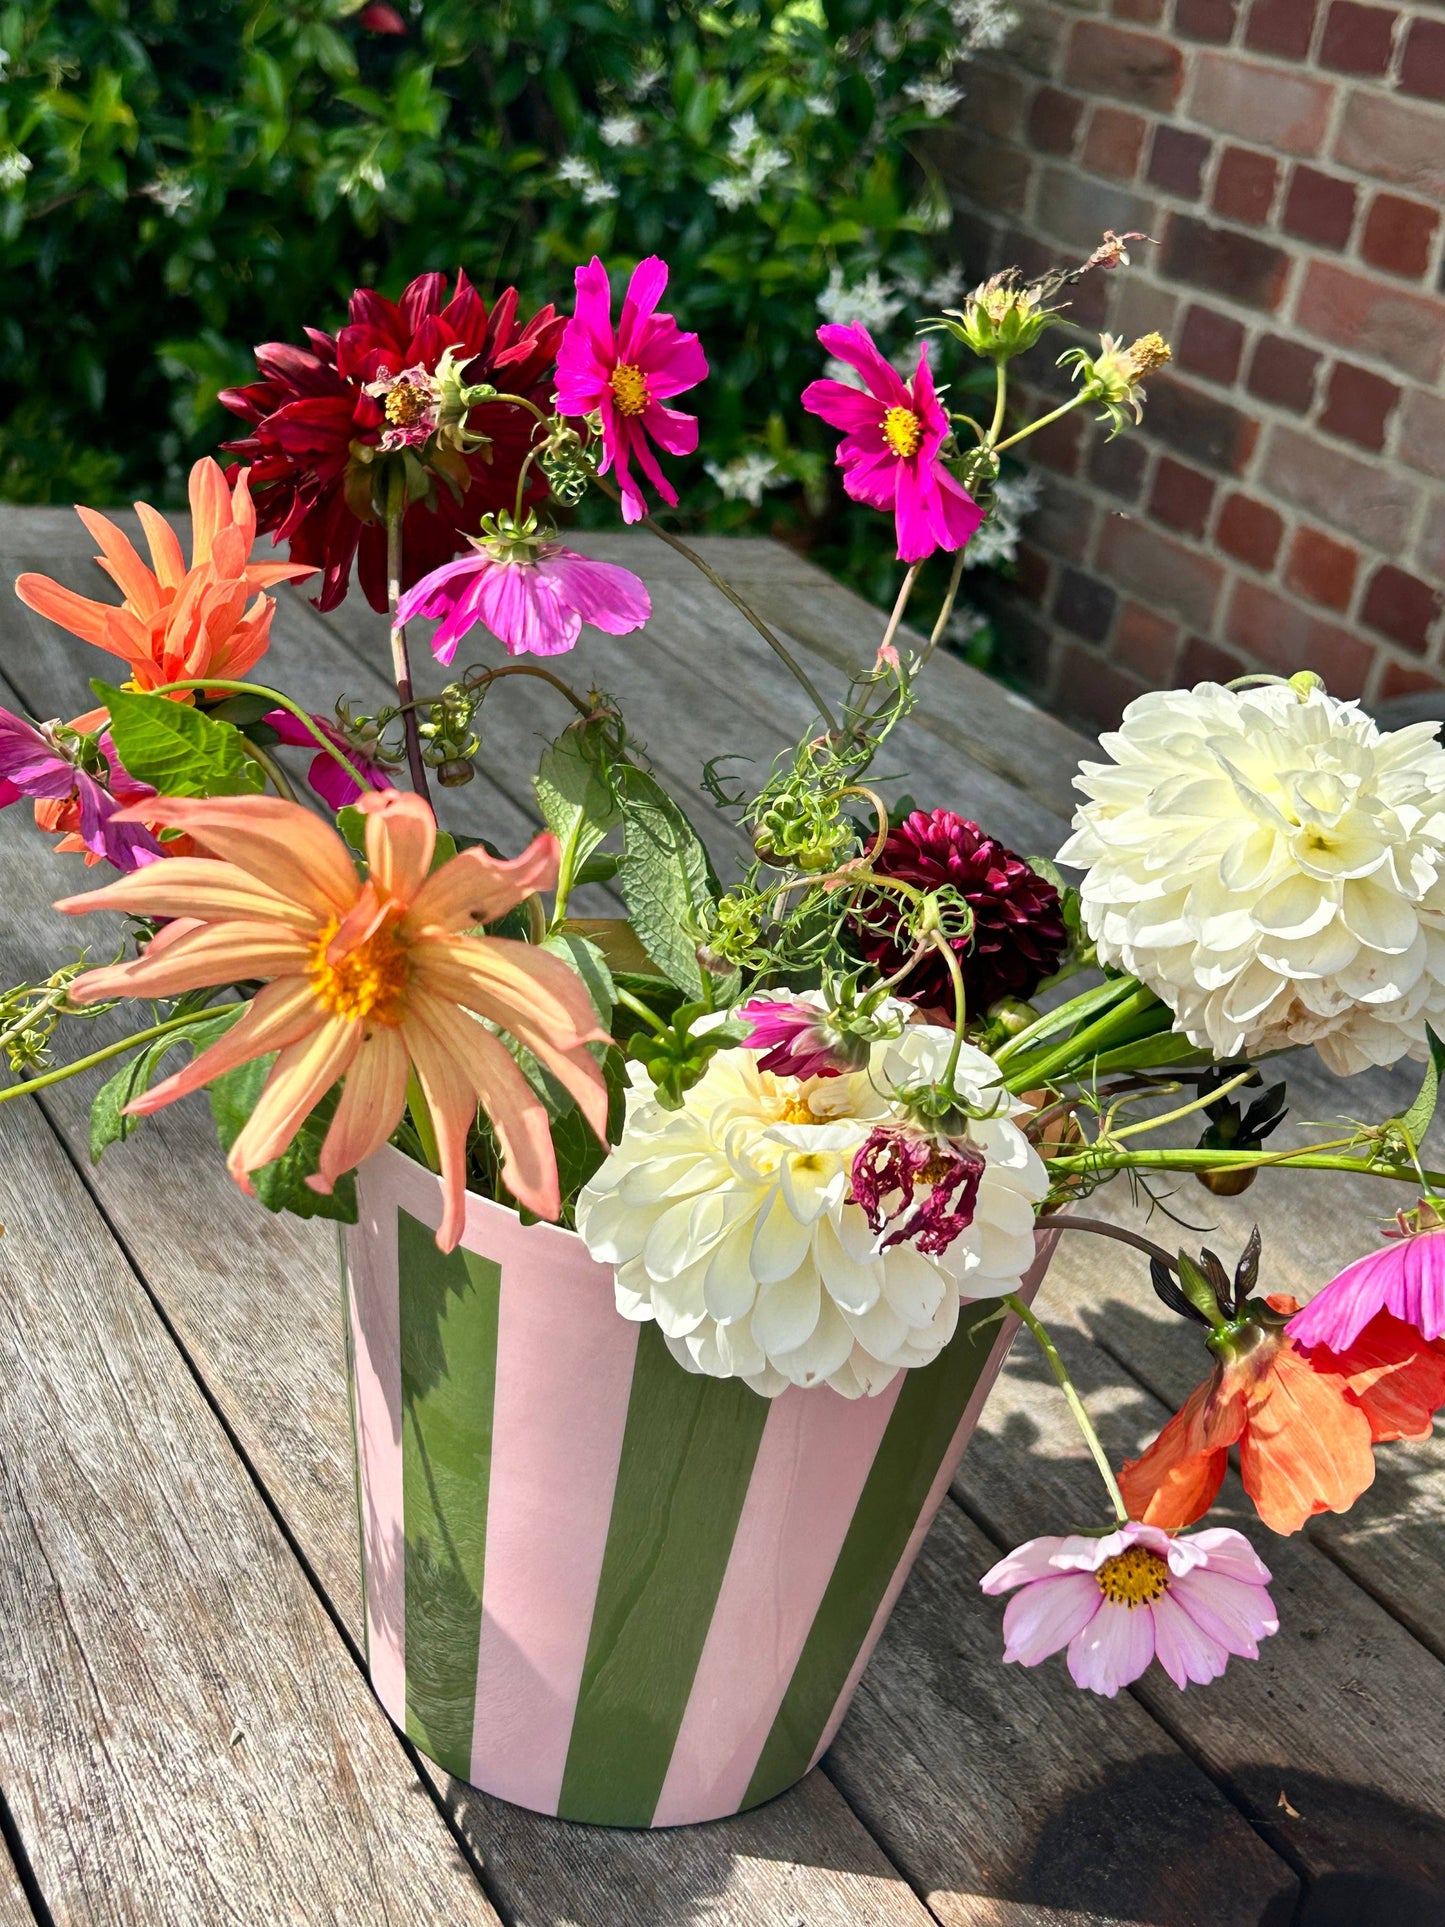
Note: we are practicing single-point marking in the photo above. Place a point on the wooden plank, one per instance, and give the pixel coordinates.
(15, 1909)
(1344, 1712)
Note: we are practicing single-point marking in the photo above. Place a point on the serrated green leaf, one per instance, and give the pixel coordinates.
(577, 798)
(666, 878)
(281, 1185)
(178, 750)
(1418, 1119)
(108, 1125)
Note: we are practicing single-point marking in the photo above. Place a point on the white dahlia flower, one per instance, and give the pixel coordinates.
(730, 1220)
(1272, 865)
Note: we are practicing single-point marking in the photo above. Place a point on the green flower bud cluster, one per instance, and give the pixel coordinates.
(1003, 317)
(449, 739)
(1114, 375)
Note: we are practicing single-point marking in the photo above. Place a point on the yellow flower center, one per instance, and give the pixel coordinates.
(902, 430)
(368, 980)
(629, 388)
(406, 405)
(797, 1110)
(1136, 1577)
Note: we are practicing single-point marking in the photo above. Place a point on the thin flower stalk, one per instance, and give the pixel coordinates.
(1076, 1405)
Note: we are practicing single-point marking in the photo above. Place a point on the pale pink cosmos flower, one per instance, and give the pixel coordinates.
(534, 597)
(889, 453)
(626, 376)
(1406, 1278)
(1191, 1601)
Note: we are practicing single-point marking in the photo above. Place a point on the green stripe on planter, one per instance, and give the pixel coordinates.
(674, 1516)
(907, 1461)
(449, 1305)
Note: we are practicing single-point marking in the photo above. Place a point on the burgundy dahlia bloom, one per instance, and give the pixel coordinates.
(916, 1189)
(1018, 935)
(371, 384)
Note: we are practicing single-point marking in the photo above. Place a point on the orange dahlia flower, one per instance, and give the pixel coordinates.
(176, 622)
(1305, 1422)
(363, 980)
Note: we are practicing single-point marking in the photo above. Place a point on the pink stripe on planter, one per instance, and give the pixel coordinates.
(564, 1374)
(816, 1453)
(1044, 1243)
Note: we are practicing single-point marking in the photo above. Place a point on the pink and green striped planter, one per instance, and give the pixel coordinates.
(597, 1585)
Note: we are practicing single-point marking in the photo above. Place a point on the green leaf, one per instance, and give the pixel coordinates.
(281, 1185)
(666, 879)
(578, 797)
(108, 1125)
(1198, 1290)
(1417, 1120)
(178, 750)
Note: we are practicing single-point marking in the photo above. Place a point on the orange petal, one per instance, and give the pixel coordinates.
(121, 563)
(401, 835)
(166, 558)
(278, 1015)
(210, 508)
(207, 954)
(281, 844)
(1396, 1377)
(1306, 1447)
(82, 617)
(500, 977)
(300, 1078)
(243, 509)
(372, 1101)
(182, 886)
(476, 888)
(1175, 1479)
(261, 575)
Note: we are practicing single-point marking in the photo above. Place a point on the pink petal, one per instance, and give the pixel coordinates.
(911, 505)
(644, 291)
(1406, 1278)
(670, 429)
(1230, 1610)
(1183, 1648)
(520, 609)
(639, 446)
(434, 594)
(463, 615)
(672, 359)
(1047, 1614)
(841, 406)
(962, 516)
(872, 479)
(1113, 1649)
(857, 347)
(1226, 1551)
(1032, 1560)
(609, 597)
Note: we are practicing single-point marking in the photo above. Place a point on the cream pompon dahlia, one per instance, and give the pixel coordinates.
(731, 1221)
(1272, 865)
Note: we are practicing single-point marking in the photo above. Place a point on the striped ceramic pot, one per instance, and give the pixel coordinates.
(596, 1584)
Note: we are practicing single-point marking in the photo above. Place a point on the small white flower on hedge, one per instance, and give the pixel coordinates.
(1272, 865)
(731, 1220)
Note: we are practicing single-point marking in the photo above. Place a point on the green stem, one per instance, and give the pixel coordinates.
(280, 781)
(484, 679)
(116, 1049)
(1000, 369)
(1184, 1110)
(1086, 1162)
(900, 603)
(1092, 1040)
(779, 649)
(639, 1009)
(282, 702)
(1076, 1404)
(960, 1005)
(1101, 1228)
(1042, 422)
(400, 659)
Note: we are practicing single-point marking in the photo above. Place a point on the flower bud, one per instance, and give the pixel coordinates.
(454, 772)
(1227, 1183)
(1001, 318)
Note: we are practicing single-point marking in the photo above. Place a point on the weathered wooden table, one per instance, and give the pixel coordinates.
(186, 1733)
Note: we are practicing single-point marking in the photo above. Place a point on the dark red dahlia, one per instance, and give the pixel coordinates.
(311, 404)
(1018, 936)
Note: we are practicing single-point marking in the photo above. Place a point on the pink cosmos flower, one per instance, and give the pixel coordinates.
(1406, 1278)
(799, 1039)
(326, 776)
(35, 764)
(1117, 1602)
(916, 1189)
(626, 376)
(533, 597)
(889, 453)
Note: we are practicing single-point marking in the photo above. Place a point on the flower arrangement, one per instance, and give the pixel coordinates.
(808, 1117)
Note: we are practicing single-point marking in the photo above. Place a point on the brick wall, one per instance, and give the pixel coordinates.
(1284, 503)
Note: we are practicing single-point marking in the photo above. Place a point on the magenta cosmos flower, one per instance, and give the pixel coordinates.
(35, 763)
(326, 776)
(889, 453)
(798, 1039)
(626, 376)
(534, 596)
(1406, 1278)
(1190, 1601)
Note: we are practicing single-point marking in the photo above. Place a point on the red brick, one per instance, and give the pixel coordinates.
(1202, 427)
(1357, 39)
(1281, 27)
(1114, 142)
(1320, 207)
(1093, 689)
(1118, 465)
(1054, 120)
(986, 171)
(1063, 523)
(1140, 67)
(1274, 107)
(1422, 71)
(1084, 605)
(1250, 531)
(1033, 573)
(998, 99)
(1142, 307)
(1358, 405)
(1401, 607)
(1286, 638)
(1235, 265)
(1159, 570)
(1148, 13)
(1182, 497)
(1244, 185)
(1204, 19)
(1058, 444)
(1146, 643)
(1211, 345)
(1205, 661)
(1176, 161)
(1076, 209)
(1365, 500)
(1392, 141)
(1321, 568)
(1399, 235)
(1397, 680)
(1402, 330)
(1284, 372)
(1089, 302)
(1422, 434)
